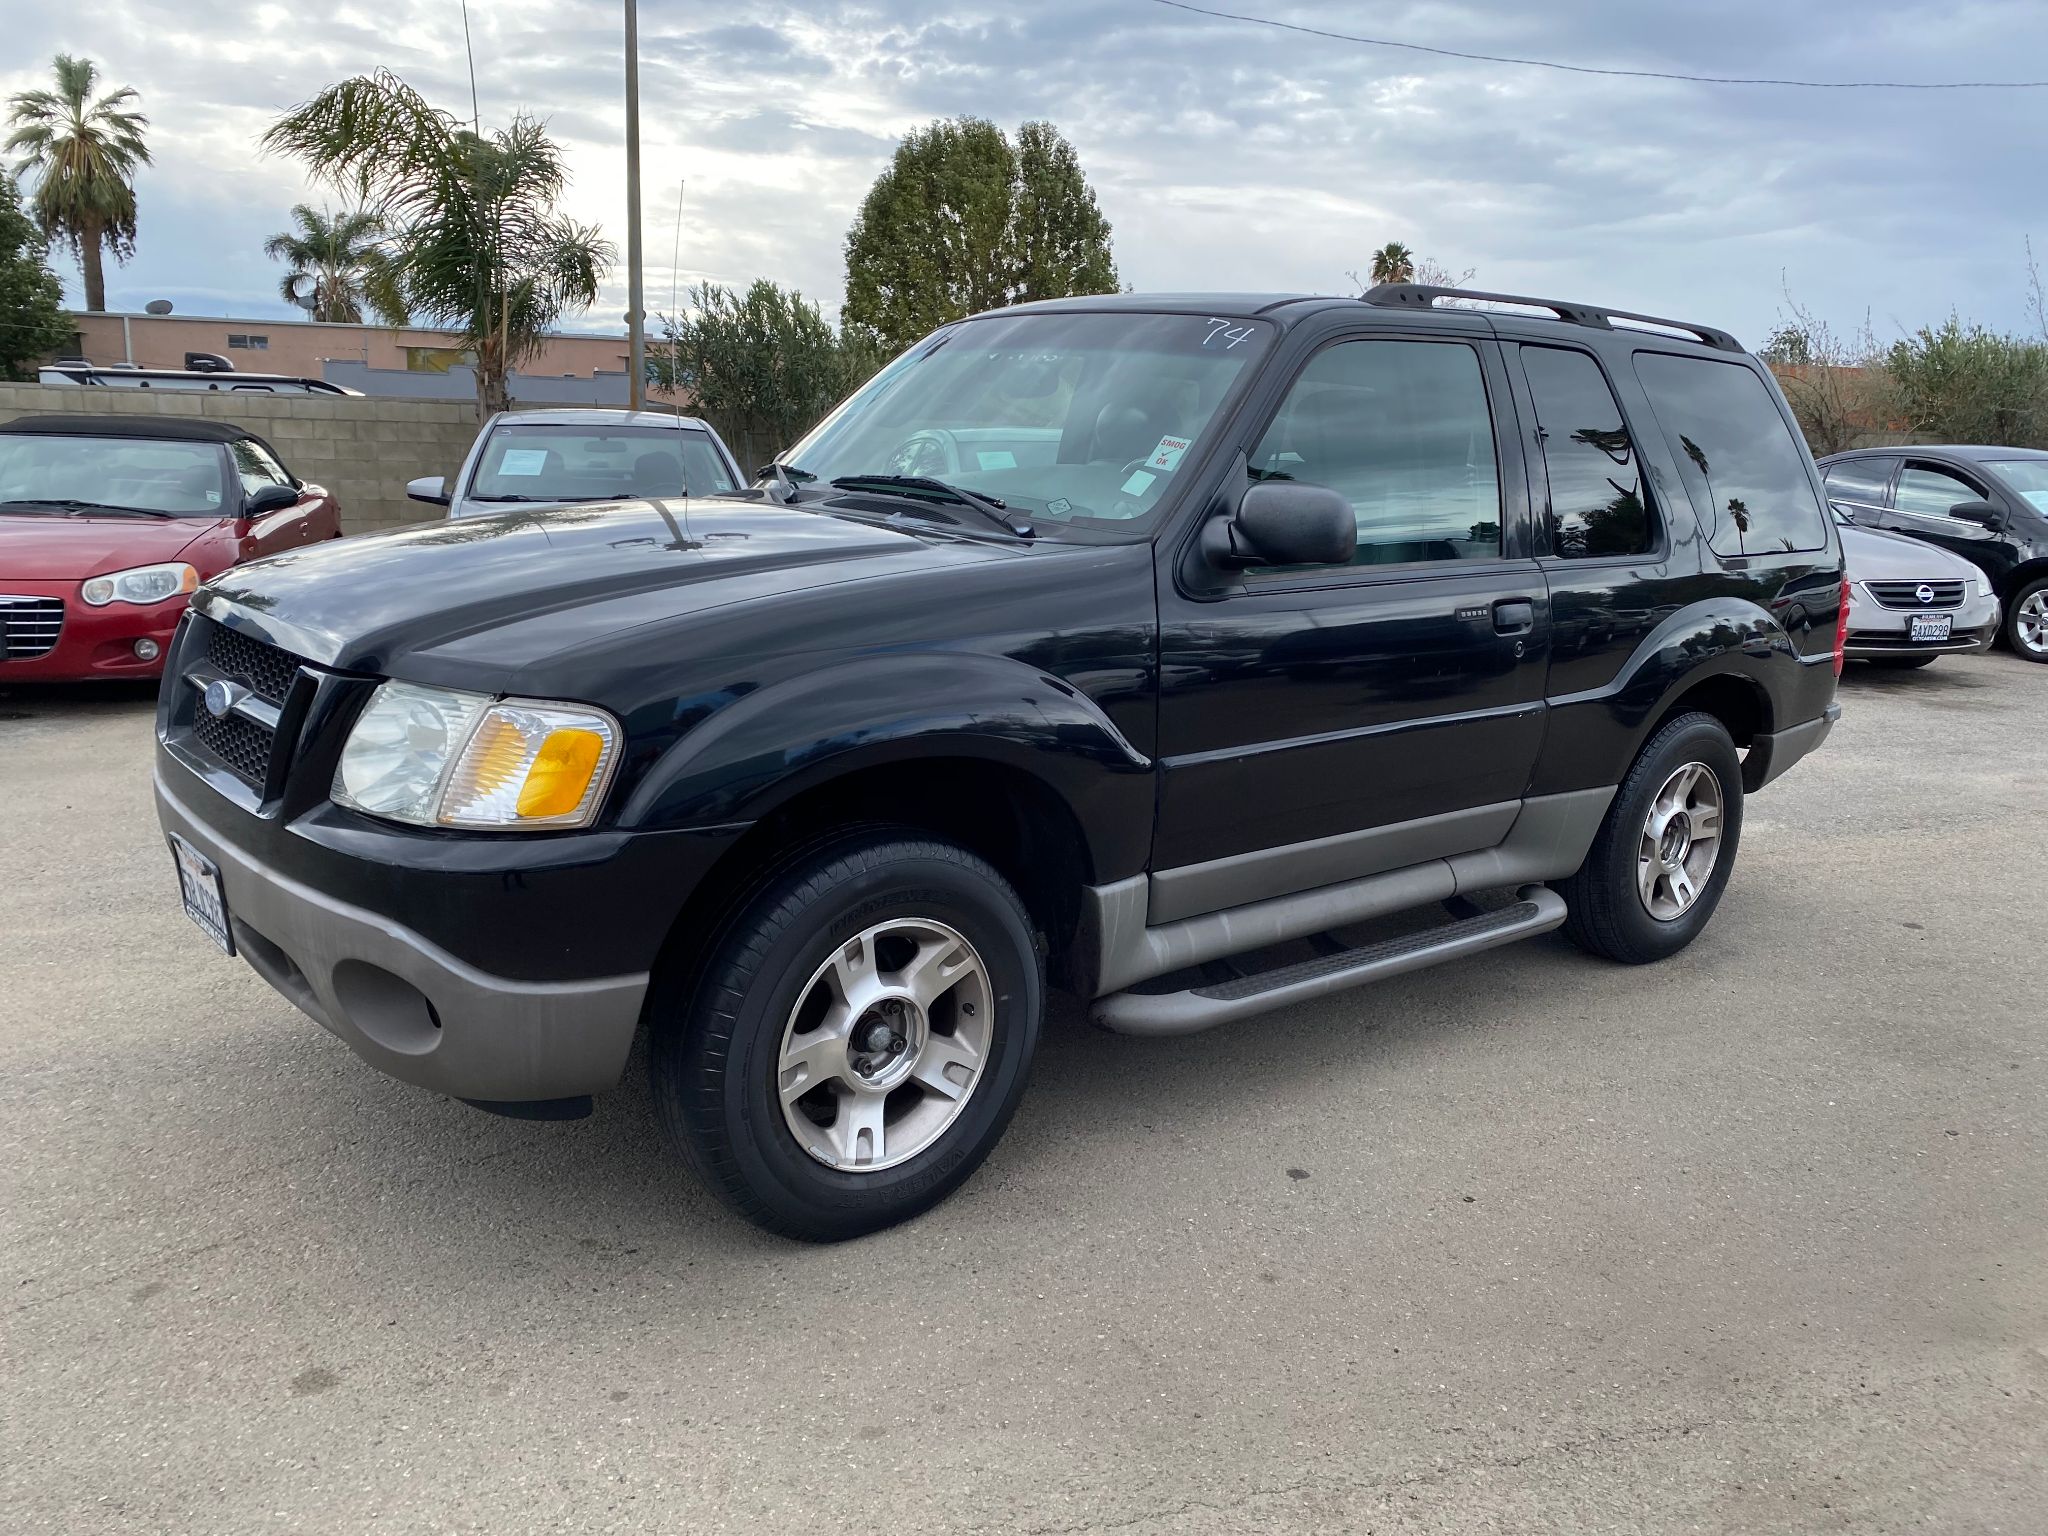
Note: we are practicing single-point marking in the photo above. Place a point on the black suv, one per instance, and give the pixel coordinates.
(1144, 647)
(1989, 505)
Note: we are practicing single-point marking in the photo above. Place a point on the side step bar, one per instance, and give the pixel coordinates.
(1538, 910)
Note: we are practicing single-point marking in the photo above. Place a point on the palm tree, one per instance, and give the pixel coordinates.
(84, 153)
(1393, 263)
(345, 257)
(475, 240)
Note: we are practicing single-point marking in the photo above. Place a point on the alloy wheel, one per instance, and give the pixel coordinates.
(1681, 842)
(885, 1045)
(2030, 622)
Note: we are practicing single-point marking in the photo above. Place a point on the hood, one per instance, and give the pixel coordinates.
(43, 546)
(1872, 555)
(496, 594)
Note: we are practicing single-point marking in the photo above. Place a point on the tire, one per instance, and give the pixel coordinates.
(1606, 913)
(2027, 615)
(1903, 663)
(847, 919)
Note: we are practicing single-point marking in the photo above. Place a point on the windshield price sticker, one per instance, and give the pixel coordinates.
(523, 461)
(1223, 333)
(1167, 456)
(1139, 483)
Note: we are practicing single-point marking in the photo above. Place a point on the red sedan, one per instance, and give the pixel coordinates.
(108, 524)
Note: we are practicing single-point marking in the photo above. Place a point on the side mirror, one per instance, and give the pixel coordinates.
(1846, 514)
(432, 489)
(1284, 522)
(271, 498)
(1982, 513)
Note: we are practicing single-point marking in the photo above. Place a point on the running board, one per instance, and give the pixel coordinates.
(1538, 910)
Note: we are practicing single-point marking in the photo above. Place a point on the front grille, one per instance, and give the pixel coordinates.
(29, 626)
(1906, 594)
(265, 668)
(241, 744)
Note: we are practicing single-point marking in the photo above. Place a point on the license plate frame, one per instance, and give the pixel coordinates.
(201, 893)
(1930, 628)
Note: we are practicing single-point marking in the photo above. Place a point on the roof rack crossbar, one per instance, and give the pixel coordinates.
(1425, 295)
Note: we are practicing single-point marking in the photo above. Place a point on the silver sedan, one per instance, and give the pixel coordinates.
(1910, 602)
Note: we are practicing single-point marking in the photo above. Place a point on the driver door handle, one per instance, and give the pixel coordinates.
(1514, 616)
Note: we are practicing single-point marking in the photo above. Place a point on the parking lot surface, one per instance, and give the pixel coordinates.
(1750, 1241)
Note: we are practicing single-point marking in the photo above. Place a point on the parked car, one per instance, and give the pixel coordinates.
(109, 523)
(1911, 603)
(1092, 643)
(216, 380)
(1988, 505)
(559, 458)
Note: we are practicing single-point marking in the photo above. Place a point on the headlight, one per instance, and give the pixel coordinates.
(1984, 588)
(141, 584)
(435, 757)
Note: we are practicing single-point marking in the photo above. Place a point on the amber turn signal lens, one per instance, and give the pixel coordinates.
(561, 773)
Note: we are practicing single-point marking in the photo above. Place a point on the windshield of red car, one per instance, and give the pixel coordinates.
(150, 475)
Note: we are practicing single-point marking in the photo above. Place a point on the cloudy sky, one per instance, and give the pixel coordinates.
(1226, 155)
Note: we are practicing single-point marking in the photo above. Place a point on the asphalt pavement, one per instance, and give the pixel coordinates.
(1752, 1241)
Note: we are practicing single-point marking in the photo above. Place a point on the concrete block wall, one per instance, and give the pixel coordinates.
(362, 449)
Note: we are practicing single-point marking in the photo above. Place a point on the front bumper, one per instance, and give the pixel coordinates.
(404, 1004)
(92, 643)
(1875, 630)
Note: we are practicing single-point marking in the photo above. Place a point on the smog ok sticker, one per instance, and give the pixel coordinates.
(1166, 457)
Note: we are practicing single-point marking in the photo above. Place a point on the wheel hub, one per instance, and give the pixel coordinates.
(879, 1046)
(1681, 842)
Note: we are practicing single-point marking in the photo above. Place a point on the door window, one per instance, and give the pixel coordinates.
(256, 465)
(1745, 472)
(1928, 492)
(1596, 483)
(1402, 430)
(1860, 480)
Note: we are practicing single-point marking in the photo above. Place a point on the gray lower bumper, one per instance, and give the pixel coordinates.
(408, 1007)
(1772, 753)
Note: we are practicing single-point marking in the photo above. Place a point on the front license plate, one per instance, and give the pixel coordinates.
(1930, 626)
(199, 887)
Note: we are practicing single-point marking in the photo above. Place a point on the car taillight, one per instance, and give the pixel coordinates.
(1842, 629)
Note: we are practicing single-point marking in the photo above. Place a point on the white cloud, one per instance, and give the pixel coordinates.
(1227, 157)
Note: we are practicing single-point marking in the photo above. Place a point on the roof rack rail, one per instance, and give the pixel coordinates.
(1425, 295)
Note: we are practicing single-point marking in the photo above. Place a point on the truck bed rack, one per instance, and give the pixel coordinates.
(1425, 295)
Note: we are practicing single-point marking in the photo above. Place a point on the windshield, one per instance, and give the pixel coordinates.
(1065, 418)
(2028, 477)
(538, 462)
(153, 475)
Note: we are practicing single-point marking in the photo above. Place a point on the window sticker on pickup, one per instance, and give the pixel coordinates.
(523, 461)
(996, 458)
(1166, 457)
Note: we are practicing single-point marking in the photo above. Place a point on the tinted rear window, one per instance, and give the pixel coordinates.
(1744, 470)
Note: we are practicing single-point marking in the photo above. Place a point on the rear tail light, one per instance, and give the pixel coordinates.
(1842, 629)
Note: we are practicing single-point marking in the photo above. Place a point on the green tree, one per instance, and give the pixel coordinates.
(476, 242)
(33, 324)
(1393, 263)
(84, 153)
(763, 365)
(1963, 384)
(345, 256)
(963, 220)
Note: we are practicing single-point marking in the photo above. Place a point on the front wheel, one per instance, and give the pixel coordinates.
(1663, 854)
(859, 1040)
(2026, 622)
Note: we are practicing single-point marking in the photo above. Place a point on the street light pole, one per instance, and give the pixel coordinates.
(636, 302)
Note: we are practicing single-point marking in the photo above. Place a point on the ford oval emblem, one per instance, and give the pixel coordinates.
(1924, 592)
(222, 696)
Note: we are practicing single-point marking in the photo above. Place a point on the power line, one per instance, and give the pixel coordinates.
(1631, 74)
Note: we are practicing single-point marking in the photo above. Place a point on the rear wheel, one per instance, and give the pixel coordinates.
(860, 1038)
(1664, 852)
(2026, 621)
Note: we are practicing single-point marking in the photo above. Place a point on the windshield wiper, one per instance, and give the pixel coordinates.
(787, 478)
(529, 498)
(71, 506)
(924, 488)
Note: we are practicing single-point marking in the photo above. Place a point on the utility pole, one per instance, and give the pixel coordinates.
(636, 302)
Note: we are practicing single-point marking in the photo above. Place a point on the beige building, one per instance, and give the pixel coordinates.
(303, 348)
